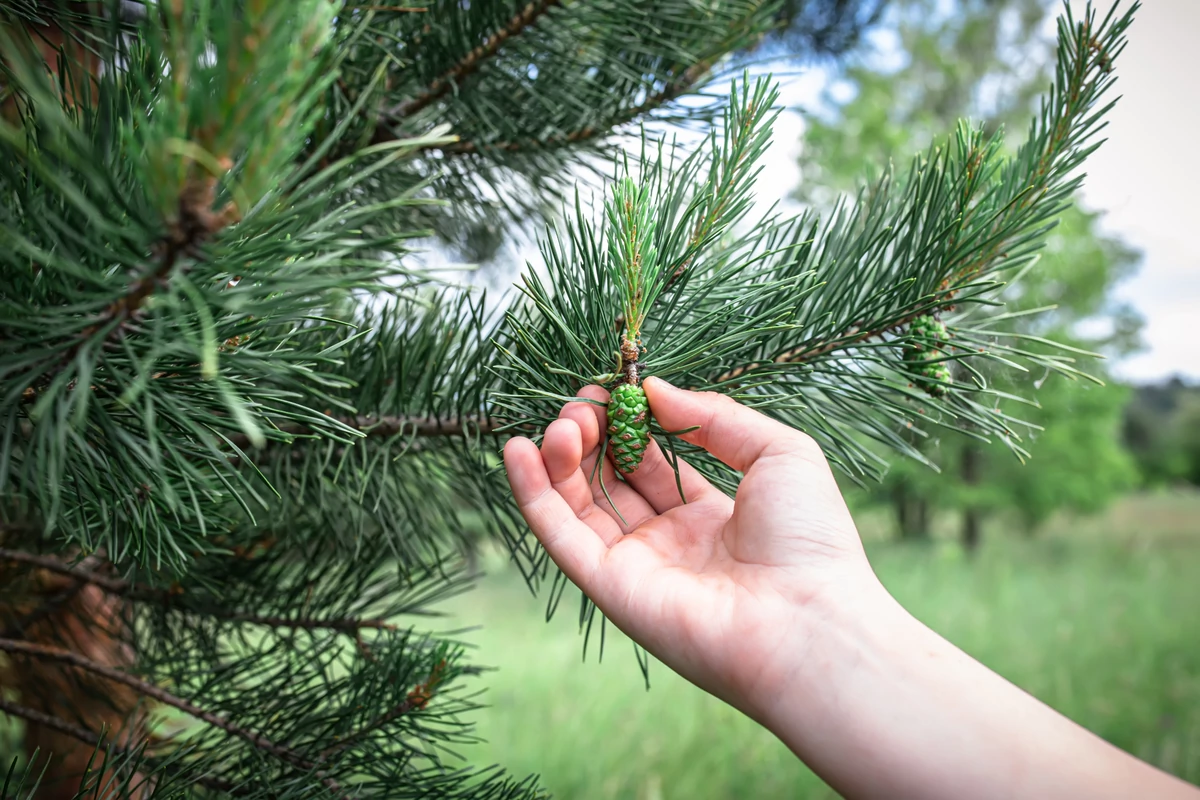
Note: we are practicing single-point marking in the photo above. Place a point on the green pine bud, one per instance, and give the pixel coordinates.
(628, 426)
(926, 334)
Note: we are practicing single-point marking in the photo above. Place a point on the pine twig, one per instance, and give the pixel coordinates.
(414, 701)
(197, 222)
(140, 593)
(86, 736)
(372, 426)
(442, 85)
(83, 572)
(161, 695)
(49, 721)
(850, 337)
(672, 91)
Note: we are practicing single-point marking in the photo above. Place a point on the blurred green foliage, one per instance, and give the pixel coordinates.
(934, 61)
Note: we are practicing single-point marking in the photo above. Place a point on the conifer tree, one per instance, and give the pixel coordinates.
(244, 441)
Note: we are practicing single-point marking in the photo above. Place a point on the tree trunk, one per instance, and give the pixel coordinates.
(45, 608)
(972, 515)
(912, 512)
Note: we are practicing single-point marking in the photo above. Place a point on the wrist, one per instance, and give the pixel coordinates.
(833, 632)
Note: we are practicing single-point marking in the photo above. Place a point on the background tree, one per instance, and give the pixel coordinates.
(244, 439)
(1162, 429)
(987, 59)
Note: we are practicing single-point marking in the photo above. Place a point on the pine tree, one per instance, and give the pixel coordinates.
(244, 442)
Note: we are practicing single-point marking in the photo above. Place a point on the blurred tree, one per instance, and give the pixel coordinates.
(1162, 429)
(931, 62)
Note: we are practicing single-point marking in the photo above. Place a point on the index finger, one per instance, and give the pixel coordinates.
(576, 548)
(732, 432)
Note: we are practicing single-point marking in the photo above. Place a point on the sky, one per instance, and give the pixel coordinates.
(1145, 179)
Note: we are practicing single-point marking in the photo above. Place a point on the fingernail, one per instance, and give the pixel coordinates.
(665, 384)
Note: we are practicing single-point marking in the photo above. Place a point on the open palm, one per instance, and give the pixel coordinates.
(710, 586)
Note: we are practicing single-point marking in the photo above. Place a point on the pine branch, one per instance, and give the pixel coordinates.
(470, 62)
(414, 701)
(196, 223)
(54, 723)
(82, 572)
(672, 91)
(48, 607)
(856, 334)
(385, 426)
(50, 721)
(166, 698)
(141, 593)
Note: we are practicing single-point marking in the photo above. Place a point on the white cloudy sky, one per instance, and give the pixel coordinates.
(1146, 178)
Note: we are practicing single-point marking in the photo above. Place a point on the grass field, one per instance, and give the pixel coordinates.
(1098, 617)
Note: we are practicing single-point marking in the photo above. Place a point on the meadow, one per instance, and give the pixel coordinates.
(1099, 617)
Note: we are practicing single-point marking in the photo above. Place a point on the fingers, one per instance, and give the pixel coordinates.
(576, 548)
(735, 434)
(562, 452)
(653, 480)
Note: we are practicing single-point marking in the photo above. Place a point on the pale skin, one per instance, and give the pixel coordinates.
(768, 602)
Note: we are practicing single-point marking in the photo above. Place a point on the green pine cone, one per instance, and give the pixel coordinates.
(628, 426)
(927, 333)
(927, 327)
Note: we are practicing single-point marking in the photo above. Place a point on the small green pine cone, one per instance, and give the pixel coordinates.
(628, 426)
(927, 333)
(928, 327)
(935, 376)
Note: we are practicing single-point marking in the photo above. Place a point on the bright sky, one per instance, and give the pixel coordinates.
(1146, 178)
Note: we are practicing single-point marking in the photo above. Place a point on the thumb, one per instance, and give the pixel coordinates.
(735, 434)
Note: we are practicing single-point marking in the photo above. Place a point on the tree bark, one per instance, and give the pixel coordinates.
(46, 608)
(972, 514)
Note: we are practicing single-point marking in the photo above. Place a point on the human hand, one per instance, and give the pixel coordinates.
(726, 592)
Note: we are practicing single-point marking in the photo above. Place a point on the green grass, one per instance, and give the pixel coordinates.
(1098, 617)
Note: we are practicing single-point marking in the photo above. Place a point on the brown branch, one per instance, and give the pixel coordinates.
(48, 606)
(196, 222)
(672, 91)
(86, 736)
(141, 593)
(348, 625)
(852, 336)
(472, 60)
(416, 700)
(49, 721)
(82, 572)
(166, 698)
(372, 426)
(400, 710)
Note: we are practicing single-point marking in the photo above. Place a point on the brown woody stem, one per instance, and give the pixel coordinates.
(161, 695)
(442, 84)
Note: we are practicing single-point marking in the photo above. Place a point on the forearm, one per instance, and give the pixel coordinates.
(881, 706)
